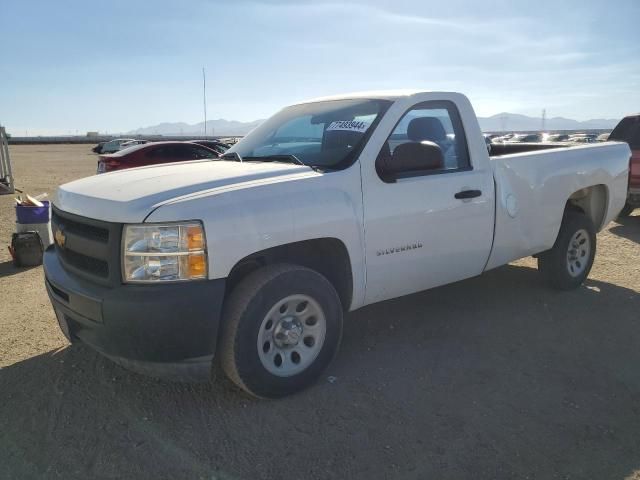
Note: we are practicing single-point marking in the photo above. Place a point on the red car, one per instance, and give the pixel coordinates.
(152, 154)
(628, 130)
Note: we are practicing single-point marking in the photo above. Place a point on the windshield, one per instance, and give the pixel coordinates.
(326, 134)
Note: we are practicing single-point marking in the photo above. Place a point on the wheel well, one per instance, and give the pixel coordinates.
(592, 201)
(328, 256)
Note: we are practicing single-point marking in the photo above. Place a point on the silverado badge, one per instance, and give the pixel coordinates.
(402, 248)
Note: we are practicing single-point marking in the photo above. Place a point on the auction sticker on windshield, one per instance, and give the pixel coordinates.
(349, 126)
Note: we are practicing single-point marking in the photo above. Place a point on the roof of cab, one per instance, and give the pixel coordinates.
(376, 94)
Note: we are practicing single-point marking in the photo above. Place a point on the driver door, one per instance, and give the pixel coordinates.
(419, 232)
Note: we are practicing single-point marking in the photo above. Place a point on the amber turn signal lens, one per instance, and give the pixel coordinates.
(197, 266)
(195, 238)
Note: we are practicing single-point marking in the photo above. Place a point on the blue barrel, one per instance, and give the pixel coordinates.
(29, 214)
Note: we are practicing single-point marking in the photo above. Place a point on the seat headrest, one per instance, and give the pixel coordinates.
(414, 154)
(341, 139)
(426, 128)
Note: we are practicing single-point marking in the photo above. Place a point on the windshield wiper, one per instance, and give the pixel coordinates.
(231, 156)
(287, 158)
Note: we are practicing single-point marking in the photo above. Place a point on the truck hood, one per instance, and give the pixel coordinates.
(128, 196)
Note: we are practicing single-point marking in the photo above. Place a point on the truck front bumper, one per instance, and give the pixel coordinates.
(167, 331)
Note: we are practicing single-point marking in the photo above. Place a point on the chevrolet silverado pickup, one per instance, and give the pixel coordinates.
(329, 205)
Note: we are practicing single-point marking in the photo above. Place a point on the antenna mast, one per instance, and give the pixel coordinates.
(204, 99)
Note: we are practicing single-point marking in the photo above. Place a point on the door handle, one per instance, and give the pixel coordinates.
(466, 194)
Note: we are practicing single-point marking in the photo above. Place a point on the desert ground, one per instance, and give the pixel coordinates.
(495, 377)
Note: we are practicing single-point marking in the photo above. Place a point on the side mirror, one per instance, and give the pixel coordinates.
(411, 157)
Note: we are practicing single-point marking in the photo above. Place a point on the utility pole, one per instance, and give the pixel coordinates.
(204, 100)
(544, 119)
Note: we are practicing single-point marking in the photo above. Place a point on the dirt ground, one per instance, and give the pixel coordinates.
(494, 377)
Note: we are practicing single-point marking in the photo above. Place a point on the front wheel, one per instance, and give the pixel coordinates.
(569, 262)
(283, 325)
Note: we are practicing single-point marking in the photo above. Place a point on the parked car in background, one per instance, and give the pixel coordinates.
(131, 143)
(556, 137)
(154, 153)
(526, 138)
(114, 145)
(603, 137)
(583, 137)
(98, 147)
(230, 140)
(628, 130)
(491, 136)
(214, 145)
(502, 138)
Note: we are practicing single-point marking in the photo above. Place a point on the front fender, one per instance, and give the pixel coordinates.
(240, 222)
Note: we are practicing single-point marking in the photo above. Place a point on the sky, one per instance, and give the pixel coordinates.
(68, 67)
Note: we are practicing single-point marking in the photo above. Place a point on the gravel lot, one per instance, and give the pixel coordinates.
(494, 377)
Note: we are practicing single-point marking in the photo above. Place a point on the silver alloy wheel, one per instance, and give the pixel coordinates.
(291, 335)
(578, 253)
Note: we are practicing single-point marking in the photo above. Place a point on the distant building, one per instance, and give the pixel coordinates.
(92, 134)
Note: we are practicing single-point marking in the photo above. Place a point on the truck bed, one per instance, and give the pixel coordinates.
(533, 187)
(507, 148)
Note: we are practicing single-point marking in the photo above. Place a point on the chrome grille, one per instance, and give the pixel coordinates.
(88, 247)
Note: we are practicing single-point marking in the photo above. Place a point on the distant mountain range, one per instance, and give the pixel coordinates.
(496, 123)
(514, 122)
(214, 127)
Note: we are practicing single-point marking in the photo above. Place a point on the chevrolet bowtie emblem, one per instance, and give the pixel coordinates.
(60, 238)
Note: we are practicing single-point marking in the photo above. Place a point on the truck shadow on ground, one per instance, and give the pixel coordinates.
(493, 377)
(628, 227)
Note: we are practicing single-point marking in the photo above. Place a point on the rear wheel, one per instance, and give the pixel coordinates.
(626, 210)
(283, 327)
(569, 262)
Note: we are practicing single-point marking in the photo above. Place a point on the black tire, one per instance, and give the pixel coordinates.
(554, 264)
(626, 210)
(244, 312)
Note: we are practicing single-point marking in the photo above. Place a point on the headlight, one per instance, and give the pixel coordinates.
(164, 253)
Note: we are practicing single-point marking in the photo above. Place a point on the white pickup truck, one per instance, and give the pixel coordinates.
(328, 206)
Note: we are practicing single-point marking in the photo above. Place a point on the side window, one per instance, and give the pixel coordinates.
(183, 152)
(157, 153)
(201, 153)
(438, 122)
(170, 153)
(219, 148)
